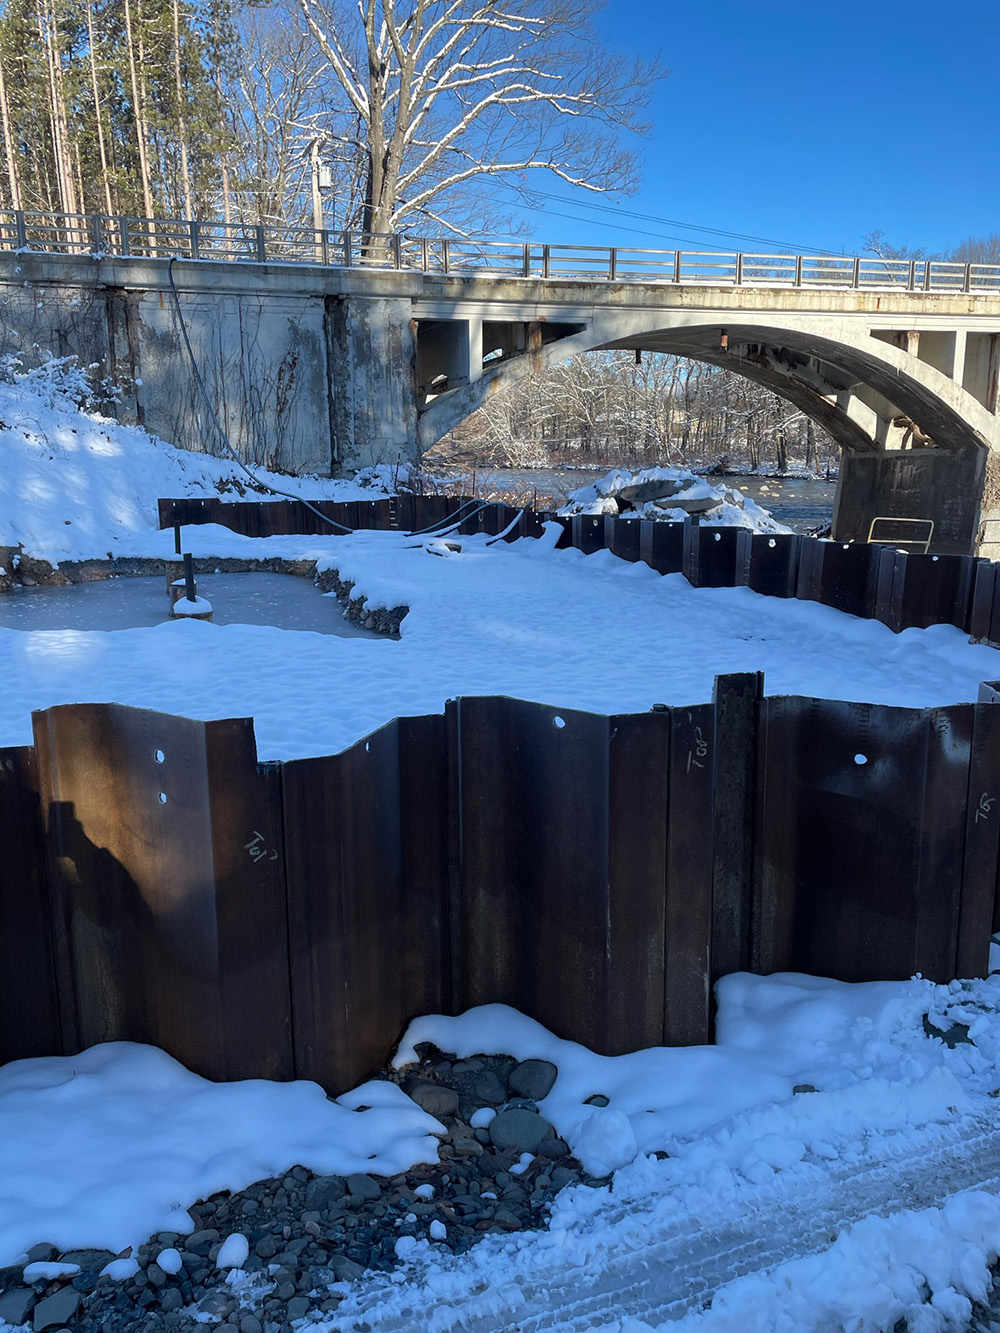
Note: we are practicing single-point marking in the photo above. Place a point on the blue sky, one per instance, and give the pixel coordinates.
(807, 124)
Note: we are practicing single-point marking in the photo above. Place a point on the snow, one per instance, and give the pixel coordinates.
(233, 1251)
(191, 606)
(46, 1272)
(718, 505)
(104, 1148)
(170, 1260)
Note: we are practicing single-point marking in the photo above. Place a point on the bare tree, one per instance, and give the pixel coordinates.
(448, 94)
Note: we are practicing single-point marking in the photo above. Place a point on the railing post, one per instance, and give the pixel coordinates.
(424, 257)
(195, 240)
(397, 251)
(928, 274)
(968, 278)
(21, 230)
(348, 252)
(325, 246)
(125, 239)
(445, 255)
(678, 262)
(261, 244)
(798, 270)
(545, 260)
(913, 275)
(612, 264)
(857, 273)
(96, 234)
(526, 263)
(739, 270)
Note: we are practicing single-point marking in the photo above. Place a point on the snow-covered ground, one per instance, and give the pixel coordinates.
(820, 1156)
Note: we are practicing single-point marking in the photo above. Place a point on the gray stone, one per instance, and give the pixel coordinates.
(155, 1275)
(171, 1300)
(360, 1186)
(433, 1098)
(519, 1129)
(250, 1324)
(553, 1149)
(56, 1309)
(346, 1269)
(467, 1147)
(15, 1304)
(563, 1176)
(596, 1099)
(298, 1307)
(488, 1089)
(43, 1253)
(533, 1078)
(200, 1242)
(323, 1191)
(91, 1261)
(266, 1247)
(218, 1303)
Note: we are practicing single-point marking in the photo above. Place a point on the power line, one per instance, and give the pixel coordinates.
(667, 222)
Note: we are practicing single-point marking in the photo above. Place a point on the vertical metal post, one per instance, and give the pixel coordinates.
(325, 247)
(423, 254)
(445, 255)
(526, 269)
(189, 589)
(96, 234)
(912, 283)
(612, 264)
(928, 274)
(177, 539)
(739, 270)
(546, 258)
(348, 252)
(678, 262)
(123, 233)
(968, 278)
(856, 282)
(195, 240)
(22, 233)
(798, 270)
(397, 251)
(261, 244)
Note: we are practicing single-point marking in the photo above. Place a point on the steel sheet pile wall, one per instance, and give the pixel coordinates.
(899, 588)
(286, 920)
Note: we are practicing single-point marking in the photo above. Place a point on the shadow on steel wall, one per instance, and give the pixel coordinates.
(158, 884)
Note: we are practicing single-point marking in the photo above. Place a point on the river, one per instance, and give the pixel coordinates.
(801, 504)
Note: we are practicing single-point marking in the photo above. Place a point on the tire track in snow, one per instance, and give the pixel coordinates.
(659, 1272)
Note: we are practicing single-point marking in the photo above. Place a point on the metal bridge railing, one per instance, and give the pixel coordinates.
(98, 235)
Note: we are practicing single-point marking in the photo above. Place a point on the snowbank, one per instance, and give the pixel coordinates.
(670, 495)
(75, 485)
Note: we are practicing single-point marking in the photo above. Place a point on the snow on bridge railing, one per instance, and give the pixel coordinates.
(99, 235)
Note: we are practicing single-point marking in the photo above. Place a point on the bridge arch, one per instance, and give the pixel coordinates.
(868, 394)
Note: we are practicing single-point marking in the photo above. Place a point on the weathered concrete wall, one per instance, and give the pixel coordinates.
(932, 484)
(302, 379)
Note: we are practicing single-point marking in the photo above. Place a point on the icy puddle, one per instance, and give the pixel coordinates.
(281, 600)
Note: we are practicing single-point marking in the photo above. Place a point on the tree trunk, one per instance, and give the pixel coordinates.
(181, 128)
(98, 113)
(135, 56)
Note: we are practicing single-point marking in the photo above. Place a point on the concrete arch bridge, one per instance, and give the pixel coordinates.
(337, 352)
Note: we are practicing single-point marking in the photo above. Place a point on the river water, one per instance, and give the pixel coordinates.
(802, 505)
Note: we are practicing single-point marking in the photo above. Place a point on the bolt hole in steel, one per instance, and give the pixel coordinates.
(860, 759)
(162, 798)
(159, 756)
(558, 722)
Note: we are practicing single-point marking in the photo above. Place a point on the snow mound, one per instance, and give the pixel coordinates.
(669, 494)
(76, 485)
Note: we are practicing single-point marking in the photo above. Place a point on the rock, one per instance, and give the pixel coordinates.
(345, 1269)
(467, 1148)
(15, 1304)
(218, 1302)
(323, 1191)
(266, 1247)
(56, 1310)
(200, 1242)
(433, 1098)
(533, 1078)
(803, 1087)
(171, 1300)
(91, 1261)
(363, 1187)
(519, 1129)
(250, 1324)
(43, 1253)
(489, 1089)
(155, 1275)
(597, 1099)
(298, 1308)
